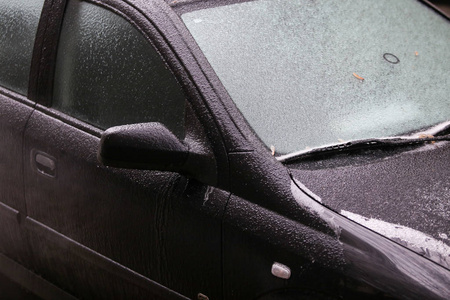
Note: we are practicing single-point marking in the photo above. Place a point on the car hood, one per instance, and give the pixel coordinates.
(403, 194)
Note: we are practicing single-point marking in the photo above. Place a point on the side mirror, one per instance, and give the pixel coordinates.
(149, 146)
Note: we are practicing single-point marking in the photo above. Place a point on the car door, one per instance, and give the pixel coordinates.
(18, 25)
(102, 232)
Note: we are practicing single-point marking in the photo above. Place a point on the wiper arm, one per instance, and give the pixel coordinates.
(421, 138)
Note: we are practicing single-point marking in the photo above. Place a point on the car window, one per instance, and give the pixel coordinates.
(108, 74)
(18, 25)
(307, 74)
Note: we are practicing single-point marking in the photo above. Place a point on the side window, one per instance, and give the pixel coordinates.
(108, 74)
(18, 25)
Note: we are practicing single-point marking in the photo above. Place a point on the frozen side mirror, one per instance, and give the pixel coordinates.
(149, 146)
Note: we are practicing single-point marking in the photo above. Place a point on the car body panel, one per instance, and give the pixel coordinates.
(14, 115)
(141, 227)
(410, 197)
(120, 233)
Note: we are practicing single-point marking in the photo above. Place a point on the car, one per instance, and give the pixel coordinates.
(227, 149)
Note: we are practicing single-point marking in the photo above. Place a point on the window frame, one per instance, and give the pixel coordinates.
(159, 24)
(43, 58)
(43, 65)
(129, 85)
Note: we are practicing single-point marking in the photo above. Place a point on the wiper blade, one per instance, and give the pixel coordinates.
(437, 130)
(421, 138)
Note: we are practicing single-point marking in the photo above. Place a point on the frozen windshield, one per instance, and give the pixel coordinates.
(310, 73)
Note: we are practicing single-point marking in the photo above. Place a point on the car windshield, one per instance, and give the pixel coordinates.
(311, 73)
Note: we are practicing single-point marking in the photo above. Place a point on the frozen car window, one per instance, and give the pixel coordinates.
(108, 74)
(18, 25)
(311, 73)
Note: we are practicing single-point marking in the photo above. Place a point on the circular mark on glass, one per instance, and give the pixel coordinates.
(389, 57)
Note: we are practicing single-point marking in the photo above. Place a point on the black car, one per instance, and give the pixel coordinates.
(225, 149)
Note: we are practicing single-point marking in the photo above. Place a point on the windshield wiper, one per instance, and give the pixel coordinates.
(362, 144)
(437, 130)
(434, 134)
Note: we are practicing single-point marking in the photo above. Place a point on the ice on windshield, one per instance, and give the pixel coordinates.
(311, 73)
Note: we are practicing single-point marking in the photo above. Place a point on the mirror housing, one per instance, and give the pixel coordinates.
(149, 146)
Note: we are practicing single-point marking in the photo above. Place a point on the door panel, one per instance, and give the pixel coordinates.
(18, 25)
(102, 232)
(13, 117)
(158, 224)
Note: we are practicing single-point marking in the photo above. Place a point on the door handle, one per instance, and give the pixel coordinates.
(44, 163)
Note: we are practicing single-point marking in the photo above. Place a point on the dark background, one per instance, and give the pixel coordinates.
(444, 5)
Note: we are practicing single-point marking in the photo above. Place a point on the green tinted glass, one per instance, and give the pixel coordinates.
(108, 74)
(18, 24)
